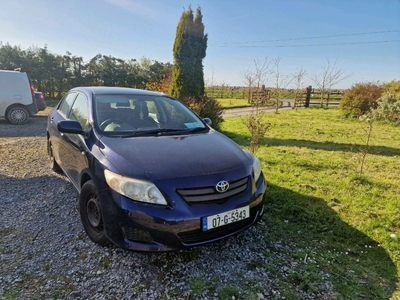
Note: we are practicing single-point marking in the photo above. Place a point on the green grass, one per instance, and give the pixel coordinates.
(228, 293)
(346, 224)
(199, 286)
(233, 103)
(52, 103)
(236, 103)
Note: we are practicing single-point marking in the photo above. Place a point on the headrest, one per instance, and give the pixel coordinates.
(141, 109)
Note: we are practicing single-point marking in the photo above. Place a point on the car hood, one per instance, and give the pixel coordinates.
(164, 157)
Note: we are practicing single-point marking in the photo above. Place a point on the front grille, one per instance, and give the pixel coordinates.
(198, 236)
(209, 193)
(137, 235)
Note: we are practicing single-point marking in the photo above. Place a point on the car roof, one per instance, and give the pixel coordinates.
(104, 90)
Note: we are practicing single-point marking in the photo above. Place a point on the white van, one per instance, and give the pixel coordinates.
(17, 97)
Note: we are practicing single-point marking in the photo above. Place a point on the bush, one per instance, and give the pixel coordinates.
(257, 128)
(360, 98)
(388, 108)
(393, 86)
(206, 107)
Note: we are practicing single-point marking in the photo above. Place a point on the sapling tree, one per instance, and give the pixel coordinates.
(257, 128)
(255, 77)
(331, 74)
(279, 80)
(298, 78)
(363, 150)
(249, 79)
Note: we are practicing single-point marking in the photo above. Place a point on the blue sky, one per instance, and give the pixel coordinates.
(303, 33)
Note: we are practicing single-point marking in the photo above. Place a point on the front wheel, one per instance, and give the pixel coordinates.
(91, 215)
(17, 115)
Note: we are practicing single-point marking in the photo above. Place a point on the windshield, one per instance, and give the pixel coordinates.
(142, 114)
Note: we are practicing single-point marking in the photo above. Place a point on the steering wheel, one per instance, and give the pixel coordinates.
(107, 122)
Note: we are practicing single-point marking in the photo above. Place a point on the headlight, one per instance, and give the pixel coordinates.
(134, 189)
(256, 165)
(256, 168)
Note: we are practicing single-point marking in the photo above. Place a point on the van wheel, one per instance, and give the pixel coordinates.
(17, 115)
(91, 215)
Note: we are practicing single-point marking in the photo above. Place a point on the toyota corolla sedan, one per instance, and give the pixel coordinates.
(151, 174)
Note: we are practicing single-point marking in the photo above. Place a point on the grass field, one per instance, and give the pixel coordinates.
(339, 222)
(233, 103)
(238, 103)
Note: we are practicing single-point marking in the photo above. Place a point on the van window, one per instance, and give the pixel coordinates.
(13, 83)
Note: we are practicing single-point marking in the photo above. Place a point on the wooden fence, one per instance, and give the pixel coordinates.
(303, 98)
(260, 97)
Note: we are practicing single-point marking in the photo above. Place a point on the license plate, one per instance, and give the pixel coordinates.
(225, 218)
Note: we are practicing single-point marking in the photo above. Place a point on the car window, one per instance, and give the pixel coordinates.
(175, 114)
(66, 103)
(139, 113)
(178, 113)
(79, 111)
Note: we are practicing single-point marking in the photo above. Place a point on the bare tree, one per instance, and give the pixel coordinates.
(222, 88)
(298, 78)
(209, 83)
(330, 75)
(279, 80)
(261, 70)
(249, 79)
(255, 77)
(254, 122)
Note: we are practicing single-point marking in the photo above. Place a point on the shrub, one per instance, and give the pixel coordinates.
(206, 107)
(393, 86)
(388, 108)
(360, 98)
(257, 128)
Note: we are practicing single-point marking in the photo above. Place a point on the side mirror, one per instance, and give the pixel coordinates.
(69, 126)
(207, 121)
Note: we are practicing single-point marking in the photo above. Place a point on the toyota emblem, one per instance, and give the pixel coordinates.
(222, 186)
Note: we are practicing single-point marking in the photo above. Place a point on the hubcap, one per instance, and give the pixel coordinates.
(18, 116)
(93, 212)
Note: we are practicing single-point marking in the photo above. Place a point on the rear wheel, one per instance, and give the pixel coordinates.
(17, 115)
(53, 164)
(91, 215)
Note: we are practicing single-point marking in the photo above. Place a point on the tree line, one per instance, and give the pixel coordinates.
(54, 74)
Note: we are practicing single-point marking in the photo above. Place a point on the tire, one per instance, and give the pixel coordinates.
(91, 215)
(53, 164)
(17, 115)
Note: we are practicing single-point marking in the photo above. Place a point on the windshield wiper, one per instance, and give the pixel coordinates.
(164, 131)
(159, 131)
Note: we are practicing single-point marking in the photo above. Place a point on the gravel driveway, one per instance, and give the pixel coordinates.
(45, 253)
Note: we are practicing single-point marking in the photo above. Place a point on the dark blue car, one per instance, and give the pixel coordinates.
(151, 174)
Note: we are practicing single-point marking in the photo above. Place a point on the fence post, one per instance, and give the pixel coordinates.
(308, 96)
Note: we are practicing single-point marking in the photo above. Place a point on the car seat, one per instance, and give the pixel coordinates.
(140, 117)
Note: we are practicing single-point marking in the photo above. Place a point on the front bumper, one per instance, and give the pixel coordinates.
(145, 227)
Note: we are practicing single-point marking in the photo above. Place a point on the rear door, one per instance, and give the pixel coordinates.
(61, 113)
(15, 89)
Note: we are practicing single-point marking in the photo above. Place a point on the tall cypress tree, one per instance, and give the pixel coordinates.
(189, 51)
